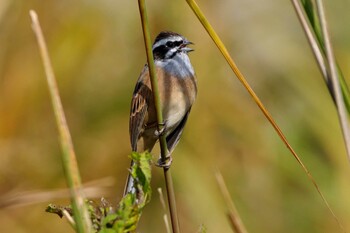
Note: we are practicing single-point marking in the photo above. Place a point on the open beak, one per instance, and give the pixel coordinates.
(184, 47)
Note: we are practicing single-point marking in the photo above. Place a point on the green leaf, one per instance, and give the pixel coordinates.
(109, 219)
(130, 207)
(107, 230)
(127, 215)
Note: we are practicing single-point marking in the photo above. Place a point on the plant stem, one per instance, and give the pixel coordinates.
(70, 166)
(158, 107)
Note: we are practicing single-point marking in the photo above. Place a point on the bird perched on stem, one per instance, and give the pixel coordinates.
(177, 92)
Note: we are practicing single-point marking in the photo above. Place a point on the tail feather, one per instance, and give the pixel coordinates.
(129, 185)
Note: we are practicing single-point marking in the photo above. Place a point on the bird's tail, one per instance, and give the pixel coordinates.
(129, 186)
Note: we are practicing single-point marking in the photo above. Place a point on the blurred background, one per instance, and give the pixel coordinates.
(97, 52)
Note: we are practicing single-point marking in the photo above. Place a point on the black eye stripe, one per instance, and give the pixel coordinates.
(172, 44)
(165, 50)
(160, 51)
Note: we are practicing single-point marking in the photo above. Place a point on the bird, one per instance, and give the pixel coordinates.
(177, 85)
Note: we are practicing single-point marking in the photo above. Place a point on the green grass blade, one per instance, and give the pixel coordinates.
(345, 89)
(70, 166)
(316, 33)
(338, 96)
(311, 13)
(311, 36)
(319, 47)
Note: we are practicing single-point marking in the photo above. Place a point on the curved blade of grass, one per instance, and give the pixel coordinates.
(316, 33)
(70, 166)
(163, 145)
(268, 116)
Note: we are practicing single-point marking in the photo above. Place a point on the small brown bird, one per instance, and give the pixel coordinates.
(177, 91)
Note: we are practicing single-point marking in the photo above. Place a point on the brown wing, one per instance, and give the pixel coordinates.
(139, 107)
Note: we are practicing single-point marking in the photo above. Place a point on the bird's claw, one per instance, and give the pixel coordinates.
(161, 131)
(165, 163)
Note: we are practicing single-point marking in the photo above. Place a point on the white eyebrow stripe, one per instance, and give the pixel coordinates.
(165, 40)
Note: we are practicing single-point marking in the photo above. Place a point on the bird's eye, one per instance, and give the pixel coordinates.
(178, 43)
(170, 44)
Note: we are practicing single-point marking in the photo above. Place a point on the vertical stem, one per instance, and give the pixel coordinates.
(70, 166)
(163, 144)
(171, 200)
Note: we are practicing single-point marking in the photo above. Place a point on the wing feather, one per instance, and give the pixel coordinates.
(138, 111)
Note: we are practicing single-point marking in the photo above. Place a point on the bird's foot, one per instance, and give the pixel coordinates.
(161, 131)
(165, 163)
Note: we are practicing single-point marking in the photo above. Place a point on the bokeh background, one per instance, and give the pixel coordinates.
(97, 52)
